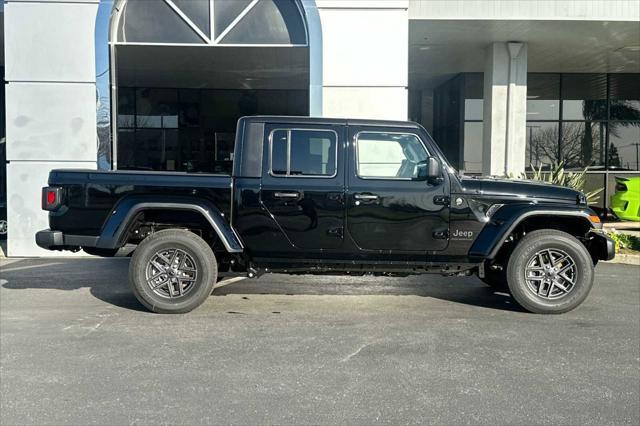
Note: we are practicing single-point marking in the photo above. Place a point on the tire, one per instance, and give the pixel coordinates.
(179, 289)
(495, 279)
(560, 268)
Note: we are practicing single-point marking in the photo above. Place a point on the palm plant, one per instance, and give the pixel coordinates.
(557, 175)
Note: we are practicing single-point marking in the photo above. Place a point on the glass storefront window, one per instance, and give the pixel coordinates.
(543, 96)
(598, 124)
(197, 11)
(157, 108)
(234, 22)
(226, 11)
(624, 97)
(473, 146)
(191, 130)
(542, 144)
(584, 97)
(126, 107)
(624, 145)
(154, 22)
(583, 144)
(473, 97)
(269, 22)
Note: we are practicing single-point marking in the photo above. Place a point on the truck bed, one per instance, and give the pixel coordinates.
(89, 196)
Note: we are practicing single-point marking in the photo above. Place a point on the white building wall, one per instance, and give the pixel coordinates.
(589, 10)
(365, 58)
(51, 103)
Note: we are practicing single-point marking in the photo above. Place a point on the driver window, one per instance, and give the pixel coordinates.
(389, 155)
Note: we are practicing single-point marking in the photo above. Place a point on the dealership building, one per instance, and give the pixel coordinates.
(159, 84)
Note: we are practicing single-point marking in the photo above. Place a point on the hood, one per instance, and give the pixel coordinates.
(501, 188)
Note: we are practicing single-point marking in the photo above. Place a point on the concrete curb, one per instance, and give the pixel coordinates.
(627, 259)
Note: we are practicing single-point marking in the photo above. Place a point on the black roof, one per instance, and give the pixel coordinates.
(325, 120)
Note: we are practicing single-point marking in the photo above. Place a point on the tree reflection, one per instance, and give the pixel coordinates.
(583, 144)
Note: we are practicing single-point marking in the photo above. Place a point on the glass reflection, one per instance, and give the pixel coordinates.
(473, 146)
(191, 130)
(269, 22)
(154, 22)
(584, 96)
(624, 146)
(583, 144)
(543, 97)
(542, 144)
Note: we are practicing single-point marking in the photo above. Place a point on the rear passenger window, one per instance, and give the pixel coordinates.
(298, 152)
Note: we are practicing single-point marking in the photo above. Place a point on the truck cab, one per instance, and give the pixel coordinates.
(341, 190)
(329, 196)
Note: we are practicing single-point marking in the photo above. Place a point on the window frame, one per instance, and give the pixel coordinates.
(355, 145)
(289, 130)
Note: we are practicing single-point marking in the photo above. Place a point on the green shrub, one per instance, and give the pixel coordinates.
(624, 241)
(557, 175)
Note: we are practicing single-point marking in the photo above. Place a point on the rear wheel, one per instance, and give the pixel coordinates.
(172, 271)
(550, 272)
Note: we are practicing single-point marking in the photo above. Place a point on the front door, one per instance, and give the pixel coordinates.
(303, 187)
(388, 208)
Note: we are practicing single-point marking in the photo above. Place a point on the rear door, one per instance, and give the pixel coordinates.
(387, 207)
(303, 187)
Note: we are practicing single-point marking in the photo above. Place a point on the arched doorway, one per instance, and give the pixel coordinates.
(183, 71)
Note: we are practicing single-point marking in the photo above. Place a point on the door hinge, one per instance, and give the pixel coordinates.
(441, 200)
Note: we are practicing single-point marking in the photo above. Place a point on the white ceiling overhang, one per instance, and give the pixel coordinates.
(439, 49)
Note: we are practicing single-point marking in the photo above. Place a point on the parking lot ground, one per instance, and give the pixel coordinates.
(76, 347)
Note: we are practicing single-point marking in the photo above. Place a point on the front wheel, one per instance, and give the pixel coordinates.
(172, 271)
(550, 272)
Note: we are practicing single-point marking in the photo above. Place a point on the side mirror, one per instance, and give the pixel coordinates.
(429, 169)
(433, 168)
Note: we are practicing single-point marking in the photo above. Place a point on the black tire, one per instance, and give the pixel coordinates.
(534, 255)
(180, 288)
(496, 279)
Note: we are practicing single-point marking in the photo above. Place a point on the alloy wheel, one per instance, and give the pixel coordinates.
(551, 274)
(171, 273)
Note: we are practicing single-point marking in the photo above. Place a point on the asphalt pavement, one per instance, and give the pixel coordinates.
(77, 348)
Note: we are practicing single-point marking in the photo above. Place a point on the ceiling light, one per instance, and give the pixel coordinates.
(425, 47)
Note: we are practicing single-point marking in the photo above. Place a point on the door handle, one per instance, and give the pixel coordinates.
(286, 194)
(365, 197)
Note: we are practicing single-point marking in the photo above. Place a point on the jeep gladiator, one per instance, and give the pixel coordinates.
(329, 196)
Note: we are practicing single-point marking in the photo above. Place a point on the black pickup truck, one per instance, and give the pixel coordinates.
(329, 196)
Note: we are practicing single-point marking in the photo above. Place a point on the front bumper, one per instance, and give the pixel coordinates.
(602, 247)
(626, 206)
(56, 240)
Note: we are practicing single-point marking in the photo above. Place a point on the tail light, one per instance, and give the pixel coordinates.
(51, 198)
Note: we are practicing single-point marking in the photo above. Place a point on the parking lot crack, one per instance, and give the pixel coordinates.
(348, 357)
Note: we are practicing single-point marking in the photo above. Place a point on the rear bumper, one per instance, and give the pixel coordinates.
(601, 246)
(56, 240)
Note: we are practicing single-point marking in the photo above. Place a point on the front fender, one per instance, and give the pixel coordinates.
(508, 217)
(114, 231)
